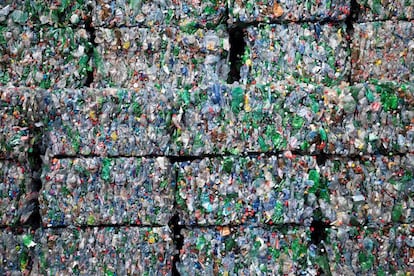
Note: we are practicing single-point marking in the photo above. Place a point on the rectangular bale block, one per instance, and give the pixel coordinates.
(308, 52)
(106, 122)
(160, 56)
(145, 13)
(383, 50)
(287, 10)
(50, 57)
(105, 250)
(107, 191)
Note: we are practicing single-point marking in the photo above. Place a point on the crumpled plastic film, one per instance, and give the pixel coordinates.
(371, 250)
(105, 251)
(149, 13)
(287, 10)
(383, 50)
(365, 118)
(16, 251)
(160, 56)
(106, 122)
(107, 191)
(44, 12)
(15, 180)
(372, 10)
(246, 251)
(14, 123)
(308, 52)
(256, 190)
(43, 57)
(375, 190)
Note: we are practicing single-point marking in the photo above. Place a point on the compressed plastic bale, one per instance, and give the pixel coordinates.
(106, 122)
(256, 190)
(14, 123)
(240, 119)
(371, 10)
(383, 50)
(106, 191)
(368, 118)
(44, 13)
(159, 57)
(105, 251)
(15, 180)
(284, 10)
(376, 190)
(16, 251)
(246, 251)
(308, 52)
(149, 13)
(371, 250)
(44, 57)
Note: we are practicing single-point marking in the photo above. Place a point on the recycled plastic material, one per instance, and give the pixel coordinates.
(368, 118)
(246, 251)
(371, 250)
(372, 10)
(14, 123)
(308, 52)
(14, 184)
(107, 191)
(286, 10)
(288, 189)
(160, 56)
(145, 13)
(107, 122)
(16, 251)
(44, 12)
(288, 250)
(383, 50)
(105, 251)
(43, 57)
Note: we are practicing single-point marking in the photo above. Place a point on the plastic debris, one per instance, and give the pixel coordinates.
(107, 191)
(15, 256)
(372, 10)
(167, 57)
(308, 52)
(107, 122)
(15, 180)
(44, 57)
(105, 251)
(286, 10)
(145, 13)
(383, 50)
(370, 118)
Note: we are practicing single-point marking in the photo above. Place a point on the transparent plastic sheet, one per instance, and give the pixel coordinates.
(383, 50)
(372, 10)
(16, 251)
(288, 10)
(307, 52)
(291, 189)
(366, 118)
(106, 122)
(146, 13)
(107, 191)
(104, 251)
(49, 57)
(44, 12)
(160, 56)
(15, 180)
